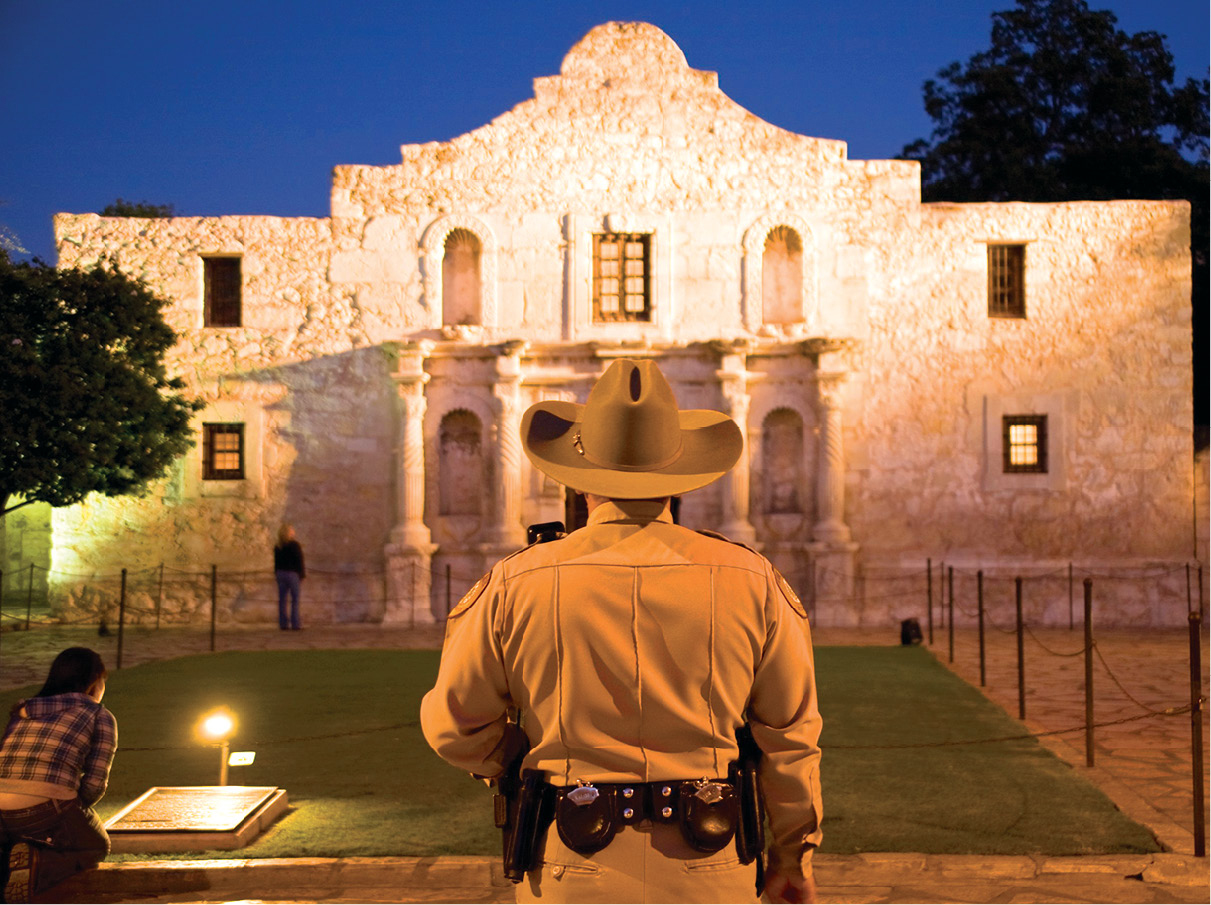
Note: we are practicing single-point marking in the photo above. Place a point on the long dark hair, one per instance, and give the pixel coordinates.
(75, 669)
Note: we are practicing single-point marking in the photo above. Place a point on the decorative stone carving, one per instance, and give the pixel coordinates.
(433, 248)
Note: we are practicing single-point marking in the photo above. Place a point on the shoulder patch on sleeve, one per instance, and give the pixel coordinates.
(789, 593)
(470, 597)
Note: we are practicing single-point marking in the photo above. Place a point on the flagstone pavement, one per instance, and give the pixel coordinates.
(1144, 766)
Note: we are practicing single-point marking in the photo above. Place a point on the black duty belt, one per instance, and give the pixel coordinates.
(588, 815)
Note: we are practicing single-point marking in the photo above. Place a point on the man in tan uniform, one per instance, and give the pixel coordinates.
(634, 649)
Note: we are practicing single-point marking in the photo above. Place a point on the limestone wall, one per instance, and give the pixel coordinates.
(628, 138)
(307, 375)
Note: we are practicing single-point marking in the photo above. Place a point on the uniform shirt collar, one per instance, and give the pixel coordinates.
(630, 512)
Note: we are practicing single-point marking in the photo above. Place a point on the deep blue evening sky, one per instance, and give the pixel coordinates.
(229, 107)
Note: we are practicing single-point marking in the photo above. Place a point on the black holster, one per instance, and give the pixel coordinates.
(750, 831)
(526, 815)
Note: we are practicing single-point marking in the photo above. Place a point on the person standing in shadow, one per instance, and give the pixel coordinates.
(54, 767)
(290, 572)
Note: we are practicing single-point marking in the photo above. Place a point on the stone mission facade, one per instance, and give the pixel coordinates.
(997, 385)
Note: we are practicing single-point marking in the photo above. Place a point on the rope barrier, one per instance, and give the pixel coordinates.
(1115, 680)
(1054, 653)
(1172, 711)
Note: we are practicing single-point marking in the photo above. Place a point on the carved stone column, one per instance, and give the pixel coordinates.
(832, 549)
(409, 554)
(830, 524)
(734, 486)
(506, 533)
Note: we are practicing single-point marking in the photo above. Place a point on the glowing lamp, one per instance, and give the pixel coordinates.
(218, 726)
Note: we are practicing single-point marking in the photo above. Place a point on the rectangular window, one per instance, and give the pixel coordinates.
(223, 452)
(221, 292)
(621, 274)
(1006, 280)
(1024, 444)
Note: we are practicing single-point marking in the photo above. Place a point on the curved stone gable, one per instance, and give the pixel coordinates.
(624, 51)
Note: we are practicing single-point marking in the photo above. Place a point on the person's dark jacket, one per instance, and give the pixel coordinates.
(288, 557)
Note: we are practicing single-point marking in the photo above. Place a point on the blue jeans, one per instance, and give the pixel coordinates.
(288, 583)
(68, 835)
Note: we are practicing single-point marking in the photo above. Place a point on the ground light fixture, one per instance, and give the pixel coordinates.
(217, 726)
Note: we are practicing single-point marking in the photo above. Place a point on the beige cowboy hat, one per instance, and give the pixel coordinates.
(629, 440)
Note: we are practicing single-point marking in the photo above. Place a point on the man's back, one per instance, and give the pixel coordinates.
(648, 633)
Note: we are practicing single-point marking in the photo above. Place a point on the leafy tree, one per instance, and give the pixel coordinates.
(9, 240)
(123, 208)
(1063, 107)
(86, 404)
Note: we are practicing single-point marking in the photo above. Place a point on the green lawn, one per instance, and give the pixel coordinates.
(372, 786)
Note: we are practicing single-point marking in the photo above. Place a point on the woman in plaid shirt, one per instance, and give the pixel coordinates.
(54, 766)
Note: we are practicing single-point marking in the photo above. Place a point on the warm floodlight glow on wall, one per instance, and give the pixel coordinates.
(218, 726)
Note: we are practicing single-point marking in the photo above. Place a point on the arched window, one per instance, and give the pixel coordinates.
(461, 464)
(461, 283)
(782, 277)
(782, 465)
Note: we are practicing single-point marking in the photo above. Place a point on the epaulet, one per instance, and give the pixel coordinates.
(784, 586)
(707, 532)
(477, 589)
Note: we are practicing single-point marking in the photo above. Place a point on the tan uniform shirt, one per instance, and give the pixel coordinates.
(634, 649)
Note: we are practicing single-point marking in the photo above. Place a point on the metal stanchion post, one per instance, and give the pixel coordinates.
(1196, 732)
(929, 595)
(950, 613)
(121, 616)
(980, 608)
(214, 602)
(1189, 592)
(160, 596)
(1071, 624)
(1089, 754)
(1017, 592)
(29, 597)
(1201, 611)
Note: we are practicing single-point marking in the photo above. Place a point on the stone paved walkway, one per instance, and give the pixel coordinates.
(1144, 766)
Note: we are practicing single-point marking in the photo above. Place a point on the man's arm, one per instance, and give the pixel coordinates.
(785, 722)
(463, 717)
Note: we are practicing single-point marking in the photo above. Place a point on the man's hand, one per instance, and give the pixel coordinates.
(781, 888)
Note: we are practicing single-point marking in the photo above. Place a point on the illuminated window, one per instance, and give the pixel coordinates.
(621, 271)
(223, 452)
(221, 292)
(1024, 444)
(1006, 280)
